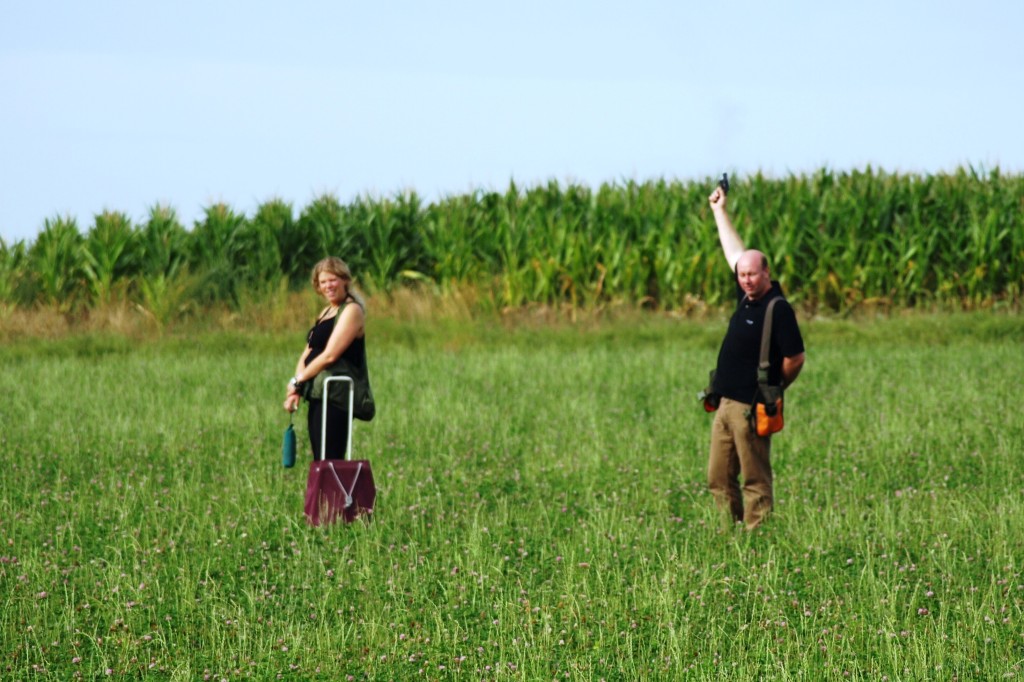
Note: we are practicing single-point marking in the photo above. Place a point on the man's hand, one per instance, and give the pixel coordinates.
(717, 200)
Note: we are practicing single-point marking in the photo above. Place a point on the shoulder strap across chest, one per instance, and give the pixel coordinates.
(766, 339)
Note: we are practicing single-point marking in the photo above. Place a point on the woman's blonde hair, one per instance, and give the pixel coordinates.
(339, 268)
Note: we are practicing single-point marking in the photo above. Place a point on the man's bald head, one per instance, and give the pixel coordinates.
(752, 273)
(752, 258)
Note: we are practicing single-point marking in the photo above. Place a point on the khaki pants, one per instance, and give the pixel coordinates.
(736, 450)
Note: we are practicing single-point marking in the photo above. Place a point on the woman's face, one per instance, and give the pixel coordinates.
(332, 287)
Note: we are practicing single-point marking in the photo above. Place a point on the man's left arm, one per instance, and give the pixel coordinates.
(791, 344)
(791, 367)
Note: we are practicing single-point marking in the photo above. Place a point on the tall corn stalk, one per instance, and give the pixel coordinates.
(56, 264)
(13, 269)
(163, 286)
(110, 254)
(388, 237)
(326, 231)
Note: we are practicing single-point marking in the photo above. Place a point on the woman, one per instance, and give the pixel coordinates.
(337, 333)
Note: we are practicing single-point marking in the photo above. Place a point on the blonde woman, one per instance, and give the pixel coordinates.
(338, 333)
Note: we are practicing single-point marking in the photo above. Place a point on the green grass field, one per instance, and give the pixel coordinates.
(541, 510)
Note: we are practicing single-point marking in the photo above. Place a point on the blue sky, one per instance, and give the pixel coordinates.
(120, 105)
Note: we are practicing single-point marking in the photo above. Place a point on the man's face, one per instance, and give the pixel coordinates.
(753, 276)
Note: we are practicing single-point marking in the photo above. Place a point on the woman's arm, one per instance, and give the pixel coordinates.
(292, 398)
(301, 364)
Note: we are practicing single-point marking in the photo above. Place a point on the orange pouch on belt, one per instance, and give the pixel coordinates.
(767, 424)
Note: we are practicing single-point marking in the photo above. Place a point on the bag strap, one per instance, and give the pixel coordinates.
(766, 340)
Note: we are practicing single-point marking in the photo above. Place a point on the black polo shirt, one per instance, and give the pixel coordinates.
(736, 374)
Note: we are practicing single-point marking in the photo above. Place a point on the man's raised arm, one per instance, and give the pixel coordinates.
(732, 245)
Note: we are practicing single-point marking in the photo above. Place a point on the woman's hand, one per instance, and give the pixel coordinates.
(291, 403)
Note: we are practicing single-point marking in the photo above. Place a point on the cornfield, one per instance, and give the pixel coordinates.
(837, 242)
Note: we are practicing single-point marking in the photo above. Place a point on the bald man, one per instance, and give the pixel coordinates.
(736, 449)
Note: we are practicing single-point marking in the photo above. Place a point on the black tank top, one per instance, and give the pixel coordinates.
(321, 333)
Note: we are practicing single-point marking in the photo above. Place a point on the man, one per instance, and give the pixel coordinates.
(736, 449)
